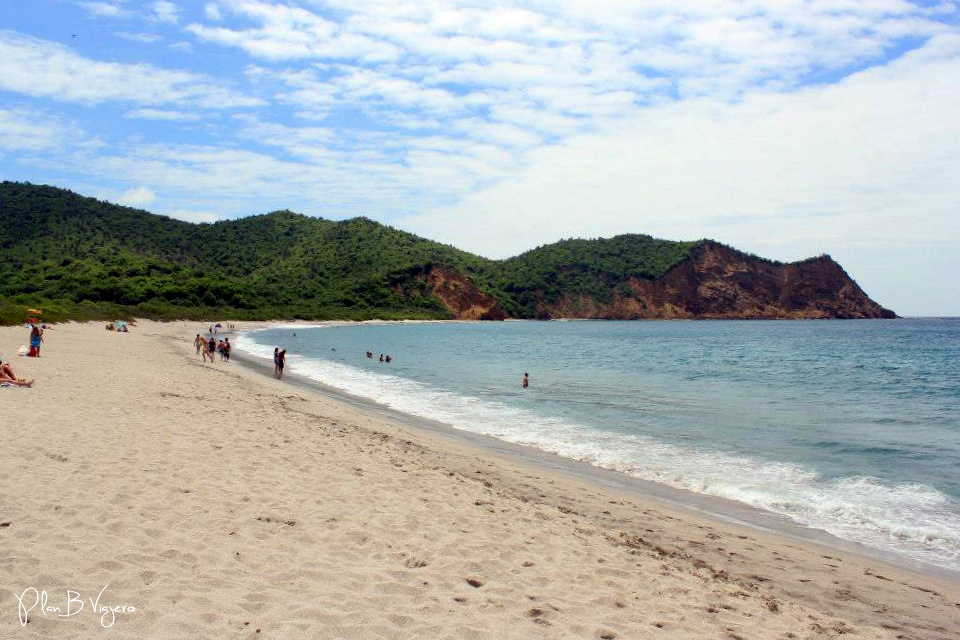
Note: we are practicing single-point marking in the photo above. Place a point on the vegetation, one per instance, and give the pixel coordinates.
(593, 268)
(81, 258)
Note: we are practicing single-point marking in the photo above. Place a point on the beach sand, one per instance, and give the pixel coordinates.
(223, 504)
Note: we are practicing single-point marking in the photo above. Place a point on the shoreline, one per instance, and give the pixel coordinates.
(220, 503)
(723, 509)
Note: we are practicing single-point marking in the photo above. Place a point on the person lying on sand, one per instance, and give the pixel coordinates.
(7, 376)
(4, 381)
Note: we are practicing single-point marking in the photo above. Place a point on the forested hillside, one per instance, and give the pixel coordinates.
(82, 258)
(61, 250)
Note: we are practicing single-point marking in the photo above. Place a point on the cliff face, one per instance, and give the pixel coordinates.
(720, 282)
(460, 295)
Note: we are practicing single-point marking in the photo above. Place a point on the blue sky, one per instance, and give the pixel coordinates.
(788, 128)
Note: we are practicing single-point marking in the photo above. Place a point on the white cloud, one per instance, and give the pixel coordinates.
(289, 32)
(162, 114)
(308, 169)
(23, 130)
(164, 11)
(140, 197)
(871, 160)
(145, 38)
(554, 69)
(195, 216)
(369, 87)
(285, 136)
(42, 68)
(105, 9)
(212, 11)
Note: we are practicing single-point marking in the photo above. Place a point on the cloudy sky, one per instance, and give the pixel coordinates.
(787, 128)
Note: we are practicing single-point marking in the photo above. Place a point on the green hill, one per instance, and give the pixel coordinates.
(81, 257)
(78, 257)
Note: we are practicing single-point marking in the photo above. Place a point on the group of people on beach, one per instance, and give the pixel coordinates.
(207, 348)
(215, 328)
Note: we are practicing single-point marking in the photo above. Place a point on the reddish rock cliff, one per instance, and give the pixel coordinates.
(460, 295)
(720, 282)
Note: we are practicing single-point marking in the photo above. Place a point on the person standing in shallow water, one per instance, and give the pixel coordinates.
(281, 361)
(526, 380)
(276, 362)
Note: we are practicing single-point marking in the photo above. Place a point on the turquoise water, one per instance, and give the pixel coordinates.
(852, 427)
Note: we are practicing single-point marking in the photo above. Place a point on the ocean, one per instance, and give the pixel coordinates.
(852, 427)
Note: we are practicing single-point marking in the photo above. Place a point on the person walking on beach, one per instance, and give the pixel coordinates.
(226, 349)
(526, 380)
(198, 343)
(276, 362)
(281, 360)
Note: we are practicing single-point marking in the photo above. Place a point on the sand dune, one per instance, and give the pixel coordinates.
(223, 504)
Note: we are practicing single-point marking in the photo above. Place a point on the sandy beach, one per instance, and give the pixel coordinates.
(220, 503)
